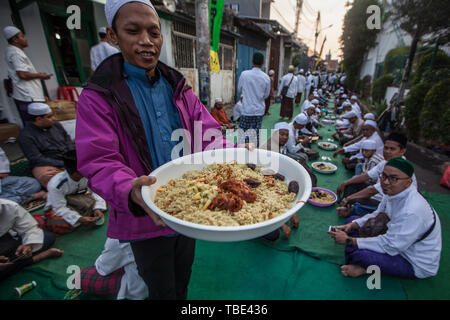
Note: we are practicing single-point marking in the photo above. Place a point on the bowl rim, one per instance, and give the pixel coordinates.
(317, 204)
(325, 162)
(165, 216)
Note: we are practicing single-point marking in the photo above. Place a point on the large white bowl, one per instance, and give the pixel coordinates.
(284, 165)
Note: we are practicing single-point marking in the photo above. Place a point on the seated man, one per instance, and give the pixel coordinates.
(298, 140)
(371, 157)
(369, 131)
(365, 188)
(411, 246)
(44, 141)
(340, 125)
(277, 143)
(116, 271)
(22, 242)
(18, 189)
(219, 114)
(355, 128)
(68, 198)
(237, 111)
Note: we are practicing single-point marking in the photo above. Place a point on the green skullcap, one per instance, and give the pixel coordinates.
(402, 165)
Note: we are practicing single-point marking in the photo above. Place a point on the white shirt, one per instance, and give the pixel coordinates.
(357, 146)
(410, 218)
(293, 87)
(14, 217)
(331, 79)
(254, 85)
(4, 162)
(100, 52)
(310, 120)
(357, 109)
(237, 111)
(316, 81)
(115, 256)
(309, 81)
(374, 174)
(301, 83)
(292, 145)
(61, 185)
(23, 90)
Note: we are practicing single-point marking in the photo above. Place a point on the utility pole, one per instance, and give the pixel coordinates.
(297, 17)
(202, 49)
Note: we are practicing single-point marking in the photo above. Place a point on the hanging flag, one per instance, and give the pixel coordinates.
(215, 24)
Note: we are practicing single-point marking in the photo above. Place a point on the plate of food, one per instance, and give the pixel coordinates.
(321, 197)
(327, 146)
(324, 167)
(328, 121)
(228, 194)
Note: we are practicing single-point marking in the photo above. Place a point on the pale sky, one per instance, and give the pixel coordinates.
(331, 12)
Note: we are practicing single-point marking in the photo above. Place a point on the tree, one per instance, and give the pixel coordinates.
(420, 18)
(356, 39)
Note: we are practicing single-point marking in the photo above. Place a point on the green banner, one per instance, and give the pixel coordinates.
(215, 23)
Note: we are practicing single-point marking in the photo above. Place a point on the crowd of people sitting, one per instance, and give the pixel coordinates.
(389, 223)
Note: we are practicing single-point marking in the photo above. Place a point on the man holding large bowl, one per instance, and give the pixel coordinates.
(125, 119)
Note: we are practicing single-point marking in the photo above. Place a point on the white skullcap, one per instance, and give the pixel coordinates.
(344, 96)
(38, 109)
(369, 145)
(102, 30)
(370, 123)
(349, 115)
(324, 86)
(346, 104)
(112, 6)
(301, 119)
(301, 71)
(281, 126)
(369, 116)
(317, 110)
(354, 98)
(271, 73)
(315, 101)
(309, 106)
(10, 31)
(219, 100)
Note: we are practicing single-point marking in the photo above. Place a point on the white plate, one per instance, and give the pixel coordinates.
(329, 164)
(321, 145)
(284, 165)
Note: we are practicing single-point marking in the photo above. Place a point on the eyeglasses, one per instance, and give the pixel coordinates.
(392, 179)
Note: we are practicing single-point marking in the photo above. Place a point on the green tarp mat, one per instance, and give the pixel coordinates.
(303, 267)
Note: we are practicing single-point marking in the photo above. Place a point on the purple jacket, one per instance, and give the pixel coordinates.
(112, 147)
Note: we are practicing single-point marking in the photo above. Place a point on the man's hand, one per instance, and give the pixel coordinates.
(87, 221)
(339, 236)
(286, 230)
(341, 189)
(98, 214)
(44, 76)
(136, 197)
(3, 175)
(338, 152)
(348, 227)
(25, 250)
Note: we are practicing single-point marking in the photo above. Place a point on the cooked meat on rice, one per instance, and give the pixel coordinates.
(225, 195)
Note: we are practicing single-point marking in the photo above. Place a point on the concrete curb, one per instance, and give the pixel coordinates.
(426, 158)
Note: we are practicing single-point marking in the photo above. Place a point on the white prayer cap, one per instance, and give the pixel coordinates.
(354, 98)
(301, 119)
(370, 123)
(349, 115)
(346, 104)
(112, 6)
(369, 116)
(102, 30)
(281, 126)
(301, 71)
(309, 106)
(318, 110)
(219, 100)
(38, 109)
(10, 32)
(344, 96)
(271, 73)
(369, 145)
(324, 86)
(315, 101)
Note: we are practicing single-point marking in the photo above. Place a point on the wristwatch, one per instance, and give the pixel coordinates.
(349, 241)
